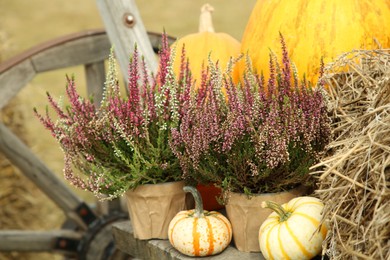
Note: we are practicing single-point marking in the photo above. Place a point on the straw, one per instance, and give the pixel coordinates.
(354, 177)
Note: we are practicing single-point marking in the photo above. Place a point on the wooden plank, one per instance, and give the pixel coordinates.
(124, 37)
(157, 249)
(34, 241)
(80, 51)
(95, 75)
(33, 168)
(14, 79)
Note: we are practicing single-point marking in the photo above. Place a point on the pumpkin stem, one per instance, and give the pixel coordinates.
(198, 200)
(283, 214)
(205, 19)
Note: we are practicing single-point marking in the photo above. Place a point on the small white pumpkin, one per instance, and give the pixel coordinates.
(294, 230)
(198, 232)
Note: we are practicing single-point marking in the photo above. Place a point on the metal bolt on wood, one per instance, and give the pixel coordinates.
(129, 20)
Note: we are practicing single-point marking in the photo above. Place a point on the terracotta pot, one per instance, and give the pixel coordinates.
(153, 206)
(209, 193)
(246, 215)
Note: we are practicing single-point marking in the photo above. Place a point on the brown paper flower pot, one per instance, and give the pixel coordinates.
(246, 216)
(152, 207)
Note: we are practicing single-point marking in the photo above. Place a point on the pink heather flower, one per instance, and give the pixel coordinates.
(286, 71)
(165, 56)
(259, 130)
(125, 142)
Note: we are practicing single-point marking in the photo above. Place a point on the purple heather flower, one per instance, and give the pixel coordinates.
(125, 142)
(258, 130)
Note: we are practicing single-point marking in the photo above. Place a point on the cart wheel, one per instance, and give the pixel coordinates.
(86, 233)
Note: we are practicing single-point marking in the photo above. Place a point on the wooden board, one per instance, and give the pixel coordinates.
(158, 249)
(124, 37)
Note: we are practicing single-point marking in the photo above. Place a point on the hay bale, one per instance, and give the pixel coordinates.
(354, 179)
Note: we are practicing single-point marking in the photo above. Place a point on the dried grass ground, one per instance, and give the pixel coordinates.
(25, 24)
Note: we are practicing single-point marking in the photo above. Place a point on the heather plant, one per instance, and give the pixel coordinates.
(123, 143)
(261, 137)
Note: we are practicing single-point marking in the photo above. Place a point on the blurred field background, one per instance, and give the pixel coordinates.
(24, 24)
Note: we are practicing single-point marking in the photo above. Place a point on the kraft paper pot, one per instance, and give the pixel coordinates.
(246, 215)
(153, 206)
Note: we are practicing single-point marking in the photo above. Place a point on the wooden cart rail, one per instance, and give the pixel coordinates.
(90, 49)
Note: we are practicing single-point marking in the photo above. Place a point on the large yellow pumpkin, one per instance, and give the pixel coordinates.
(198, 46)
(294, 230)
(312, 29)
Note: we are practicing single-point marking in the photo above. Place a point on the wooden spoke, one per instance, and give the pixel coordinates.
(38, 241)
(95, 75)
(33, 168)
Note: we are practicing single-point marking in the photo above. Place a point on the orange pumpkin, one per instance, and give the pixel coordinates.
(198, 46)
(313, 29)
(199, 232)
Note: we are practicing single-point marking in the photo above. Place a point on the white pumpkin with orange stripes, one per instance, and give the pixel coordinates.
(294, 230)
(198, 232)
